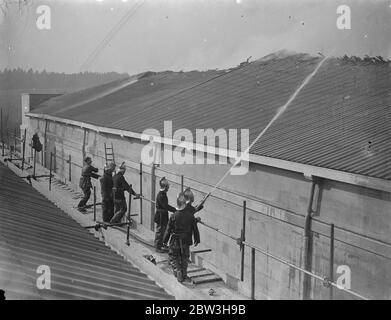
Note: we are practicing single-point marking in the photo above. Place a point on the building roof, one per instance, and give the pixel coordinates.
(34, 232)
(341, 119)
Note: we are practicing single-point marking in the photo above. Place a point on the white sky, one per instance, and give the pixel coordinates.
(187, 34)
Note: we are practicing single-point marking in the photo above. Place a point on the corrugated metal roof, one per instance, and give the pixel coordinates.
(119, 101)
(341, 120)
(34, 232)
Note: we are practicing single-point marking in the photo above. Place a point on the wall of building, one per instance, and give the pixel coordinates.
(277, 202)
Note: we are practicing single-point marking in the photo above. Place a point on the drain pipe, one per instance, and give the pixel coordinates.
(308, 243)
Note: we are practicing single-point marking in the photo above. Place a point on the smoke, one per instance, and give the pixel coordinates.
(193, 34)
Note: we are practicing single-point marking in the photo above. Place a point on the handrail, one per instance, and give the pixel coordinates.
(249, 209)
(326, 281)
(240, 241)
(262, 201)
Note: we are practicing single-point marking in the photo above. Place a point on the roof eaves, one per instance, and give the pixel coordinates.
(307, 170)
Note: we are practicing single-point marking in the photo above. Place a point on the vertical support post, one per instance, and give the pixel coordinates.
(331, 268)
(10, 145)
(252, 274)
(1, 123)
(70, 169)
(243, 238)
(15, 139)
(24, 149)
(54, 159)
(153, 195)
(50, 171)
(129, 201)
(35, 156)
(104, 145)
(44, 153)
(114, 190)
(2, 148)
(182, 187)
(84, 143)
(94, 203)
(128, 219)
(308, 244)
(141, 193)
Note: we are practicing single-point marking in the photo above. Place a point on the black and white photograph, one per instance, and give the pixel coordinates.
(196, 155)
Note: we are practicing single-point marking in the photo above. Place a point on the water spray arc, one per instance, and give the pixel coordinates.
(280, 111)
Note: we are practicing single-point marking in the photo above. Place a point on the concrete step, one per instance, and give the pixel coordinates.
(206, 279)
(203, 273)
(194, 268)
(196, 273)
(200, 275)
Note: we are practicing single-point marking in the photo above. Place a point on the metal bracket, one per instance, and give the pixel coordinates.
(326, 282)
(100, 225)
(13, 159)
(201, 250)
(32, 176)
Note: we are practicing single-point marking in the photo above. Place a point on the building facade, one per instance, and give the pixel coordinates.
(291, 207)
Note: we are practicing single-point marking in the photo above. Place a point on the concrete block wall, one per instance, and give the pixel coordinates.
(358, 209)
(370, 271)
(281, 198)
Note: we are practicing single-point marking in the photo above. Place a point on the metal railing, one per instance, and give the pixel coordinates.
(13, 151)
(327, 281)
(128, 218)
(241, 240)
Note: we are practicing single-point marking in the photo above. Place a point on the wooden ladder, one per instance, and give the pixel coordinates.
(109, 153)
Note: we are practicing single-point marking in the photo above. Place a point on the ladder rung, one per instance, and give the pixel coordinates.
(109, 153)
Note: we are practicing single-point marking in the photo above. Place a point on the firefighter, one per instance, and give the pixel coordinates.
(36, 143)
(181, 228)
(87, 173)
(106, 183)
(120, 186)
(189, 197)
(161, 214)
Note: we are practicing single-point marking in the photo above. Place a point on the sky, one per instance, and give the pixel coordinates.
(185, 34)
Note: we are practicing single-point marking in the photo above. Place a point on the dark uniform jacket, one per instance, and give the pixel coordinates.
(86, 173)
(106, 186)
(191, 209)
(162, 207)
(36, 144)
(121, 186)
(183, 225)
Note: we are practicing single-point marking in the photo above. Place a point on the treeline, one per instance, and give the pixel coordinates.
(22, 79)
